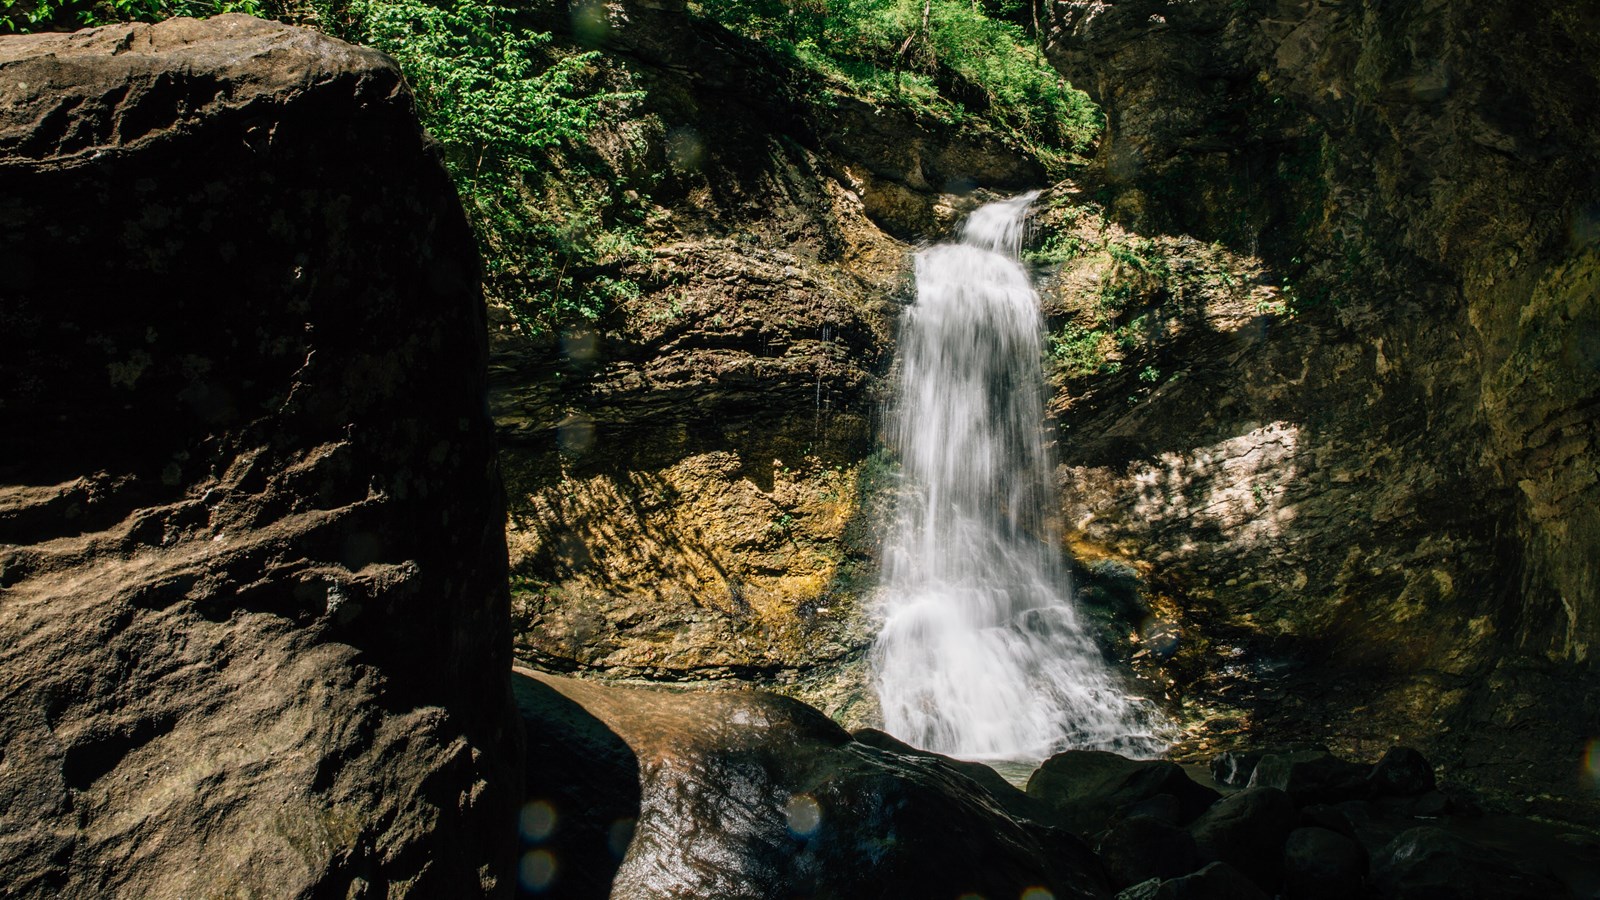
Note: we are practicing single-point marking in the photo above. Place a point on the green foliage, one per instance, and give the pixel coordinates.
(502, 106)
(25, 16)
(1079, 351)
(477, 81)
(951, 57)
(1057, 248)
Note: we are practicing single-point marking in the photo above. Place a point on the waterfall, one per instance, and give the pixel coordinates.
(980, 653)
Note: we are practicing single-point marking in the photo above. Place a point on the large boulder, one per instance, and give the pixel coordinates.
(1402, 772)
(744, 794)
(1140, 848)
(1312, 776)
(1428, 862)
(1321, 864)
(1088, 787)
(1247, 830)
(254, 635)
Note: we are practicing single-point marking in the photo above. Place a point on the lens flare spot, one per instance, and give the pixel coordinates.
(575, 434)
(1037, 893)
(619, 836)
(685, 149)
(589, 22)
(538, 821)
(538, 870)
(581, 345)
(1591, 764)
(804, 815)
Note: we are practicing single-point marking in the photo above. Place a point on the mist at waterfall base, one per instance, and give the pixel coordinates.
(980, 653)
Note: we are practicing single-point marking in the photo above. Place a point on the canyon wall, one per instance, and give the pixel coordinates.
(1361, 464)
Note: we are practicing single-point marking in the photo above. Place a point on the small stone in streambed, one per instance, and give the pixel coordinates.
(1234, 767)
(1402, 772)
(1218, 881)
(1140, 848)
(1247, 831)
(1319, 864)
(1090, 787)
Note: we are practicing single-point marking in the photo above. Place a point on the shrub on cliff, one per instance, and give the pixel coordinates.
(499, 103)
(27, 16)
(948, 57)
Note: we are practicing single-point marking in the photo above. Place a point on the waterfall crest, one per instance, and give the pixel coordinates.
(980, 653)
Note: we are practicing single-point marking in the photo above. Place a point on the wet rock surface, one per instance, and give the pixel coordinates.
(1262, 842)
(1319, 864)
(1217, 881)
(253, 628)
(746, 794)
(1089, 787)
(1311, 776)
(1430, 862)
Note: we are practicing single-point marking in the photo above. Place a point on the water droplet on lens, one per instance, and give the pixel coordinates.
(804, 815)
(538, 870)
(538, 821)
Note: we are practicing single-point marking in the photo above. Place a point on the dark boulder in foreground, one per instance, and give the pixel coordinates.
(1140, 848)
(1247, 830)
(1430, 863)
(253, 635)
(1320, 864)
(750, 795)
(1089, 787)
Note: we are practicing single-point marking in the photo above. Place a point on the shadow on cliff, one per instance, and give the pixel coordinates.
(1340, 570)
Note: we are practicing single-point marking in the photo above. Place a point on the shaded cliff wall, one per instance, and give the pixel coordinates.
(253, 632)
(1371, 487)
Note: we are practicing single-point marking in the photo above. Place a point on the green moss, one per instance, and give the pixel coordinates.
(948, 58)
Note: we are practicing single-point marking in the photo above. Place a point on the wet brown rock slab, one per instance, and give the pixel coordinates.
(747, 794)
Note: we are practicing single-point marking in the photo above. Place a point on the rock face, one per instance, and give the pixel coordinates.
(743, 794)
(692, 488)
(1379, 470)
(253, 629)
(1087, 788)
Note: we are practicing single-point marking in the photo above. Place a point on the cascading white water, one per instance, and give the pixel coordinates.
(981, 654)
